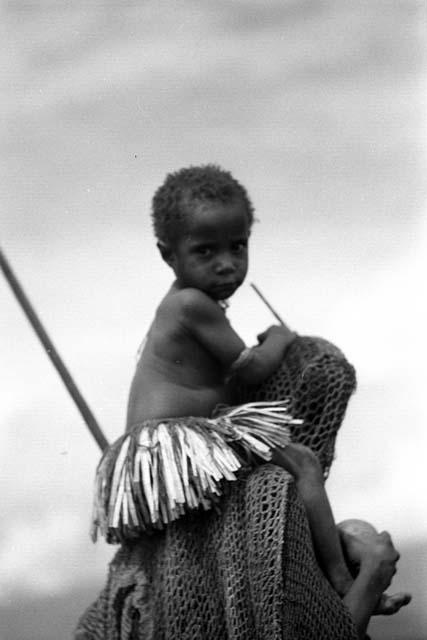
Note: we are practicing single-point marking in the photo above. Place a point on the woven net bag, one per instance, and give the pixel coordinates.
(247, 571)
(319, 381)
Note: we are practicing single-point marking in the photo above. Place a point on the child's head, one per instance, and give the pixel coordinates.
(202, 219)
(173, 201)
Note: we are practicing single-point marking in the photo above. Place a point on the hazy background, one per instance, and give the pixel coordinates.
(318, 107)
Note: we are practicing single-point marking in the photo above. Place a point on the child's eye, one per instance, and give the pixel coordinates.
(203, 251)
(240, 246)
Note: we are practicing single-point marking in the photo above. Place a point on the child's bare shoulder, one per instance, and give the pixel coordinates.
(190, 304)
(190, 314)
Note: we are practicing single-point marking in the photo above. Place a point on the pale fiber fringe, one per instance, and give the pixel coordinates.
(164, 468)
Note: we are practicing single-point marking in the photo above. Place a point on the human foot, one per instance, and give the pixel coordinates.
(388, 605)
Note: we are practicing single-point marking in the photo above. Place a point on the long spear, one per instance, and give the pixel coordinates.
(57, 361)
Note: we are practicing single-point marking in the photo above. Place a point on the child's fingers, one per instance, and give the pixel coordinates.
(282, 330)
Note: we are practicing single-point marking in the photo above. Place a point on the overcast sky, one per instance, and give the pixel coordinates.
(319, 109)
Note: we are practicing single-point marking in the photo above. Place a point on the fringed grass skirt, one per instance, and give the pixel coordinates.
(162, 469)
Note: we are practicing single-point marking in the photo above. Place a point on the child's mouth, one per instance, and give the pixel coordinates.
(224, 290)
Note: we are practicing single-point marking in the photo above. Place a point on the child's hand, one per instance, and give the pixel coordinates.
(266, 357)
(275, 330)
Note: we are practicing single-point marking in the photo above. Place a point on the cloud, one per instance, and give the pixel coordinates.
(381, 448)
(64, 57)
(320, 107)
(49, 555)
(391, 325)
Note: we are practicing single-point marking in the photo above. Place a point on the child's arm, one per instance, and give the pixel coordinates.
(262, 360)
(208, 324)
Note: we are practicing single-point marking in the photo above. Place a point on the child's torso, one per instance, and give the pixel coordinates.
(175, 376)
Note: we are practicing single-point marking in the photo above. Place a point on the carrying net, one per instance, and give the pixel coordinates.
(318, 381)
(246, 571)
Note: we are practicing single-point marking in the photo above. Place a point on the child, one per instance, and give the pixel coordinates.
(175, 453)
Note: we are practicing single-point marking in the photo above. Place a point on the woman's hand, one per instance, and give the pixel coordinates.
(364, 546)
(367, 550)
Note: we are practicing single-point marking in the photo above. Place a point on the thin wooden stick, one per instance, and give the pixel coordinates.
(59, 365)
(266, 302)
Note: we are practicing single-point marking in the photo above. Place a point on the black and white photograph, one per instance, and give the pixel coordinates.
(213, 252)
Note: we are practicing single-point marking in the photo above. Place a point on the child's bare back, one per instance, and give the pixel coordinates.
(176, 374)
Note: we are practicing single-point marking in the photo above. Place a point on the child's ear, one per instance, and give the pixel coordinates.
(167, 253)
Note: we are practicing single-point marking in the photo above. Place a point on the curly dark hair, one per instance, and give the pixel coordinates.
(172, 201)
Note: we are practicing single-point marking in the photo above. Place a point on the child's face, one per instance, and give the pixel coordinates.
(211, 252)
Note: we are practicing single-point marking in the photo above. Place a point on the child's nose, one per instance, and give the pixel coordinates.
(225, 264)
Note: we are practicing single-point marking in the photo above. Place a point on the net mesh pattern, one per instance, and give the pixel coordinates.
(248, 571)
(319, 381)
